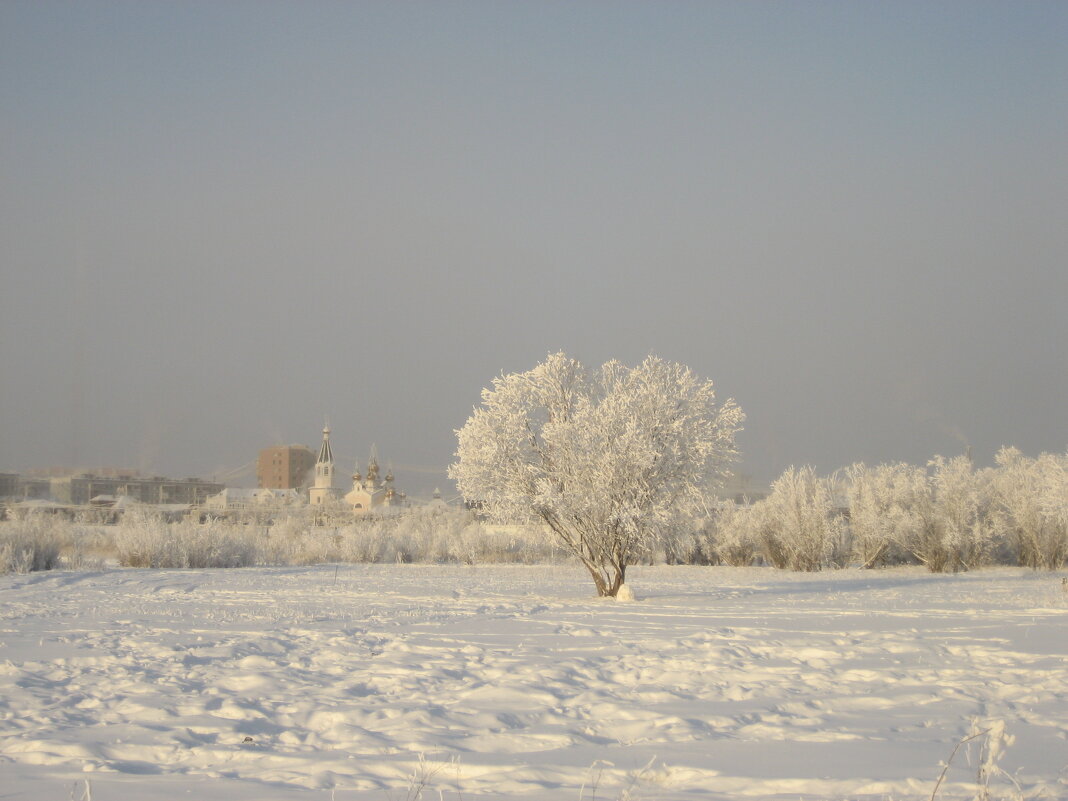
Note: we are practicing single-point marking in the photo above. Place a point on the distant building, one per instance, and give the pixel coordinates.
(234, 499)
(437, 502)
(9, 485)
(368, 493)
(284, 467)
(32, 488)
(80, 489)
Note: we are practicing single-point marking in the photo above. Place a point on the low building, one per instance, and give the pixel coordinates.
(437, 502)
(32, 488)
(234, 499)
(9, 485)
(78, 490)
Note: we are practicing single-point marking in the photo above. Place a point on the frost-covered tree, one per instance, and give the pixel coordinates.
(609, 459)
(883, 504)
(1031, 507)
(1055, 509)
(797, 525)
(731, 534)
(952, 528)
(962, 501)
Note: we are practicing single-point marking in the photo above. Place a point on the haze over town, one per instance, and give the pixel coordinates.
(221, 223)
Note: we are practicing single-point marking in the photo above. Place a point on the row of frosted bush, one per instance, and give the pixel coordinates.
(418, 536)
(144, 539)
(948, 516)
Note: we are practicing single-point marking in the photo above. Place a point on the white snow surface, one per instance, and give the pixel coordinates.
(513, 682)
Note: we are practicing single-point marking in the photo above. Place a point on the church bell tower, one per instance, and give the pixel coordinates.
(322, 491)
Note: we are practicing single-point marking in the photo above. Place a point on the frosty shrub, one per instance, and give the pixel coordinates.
(219, 545)
(921, 533)
(364, 541)
(30, 543)
(145, 539)
(609, 459)
(85, 546)
(729, 536)
(686, 545)
(963, 528)
(418, 535)
(950, 525)
(282, 542)
(1030, 499)
(424, 537)
(883, 502)
(452, 535)
(471, 544)
(796, 525)
(295, 541)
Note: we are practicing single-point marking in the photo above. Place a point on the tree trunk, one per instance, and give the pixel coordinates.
(600, 581)
(618, 579)
(607, 587)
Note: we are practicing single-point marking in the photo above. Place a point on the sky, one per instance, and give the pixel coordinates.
(224, 223)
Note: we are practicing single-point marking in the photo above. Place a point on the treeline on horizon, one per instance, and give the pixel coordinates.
(947, 515)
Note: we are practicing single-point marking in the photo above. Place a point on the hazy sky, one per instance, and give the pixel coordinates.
(221, 222)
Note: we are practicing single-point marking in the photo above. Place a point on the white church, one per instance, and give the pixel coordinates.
(368, 492)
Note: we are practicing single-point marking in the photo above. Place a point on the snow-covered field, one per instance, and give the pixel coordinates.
(371, 681)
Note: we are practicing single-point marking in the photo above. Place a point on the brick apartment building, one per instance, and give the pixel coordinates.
(284, 467)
